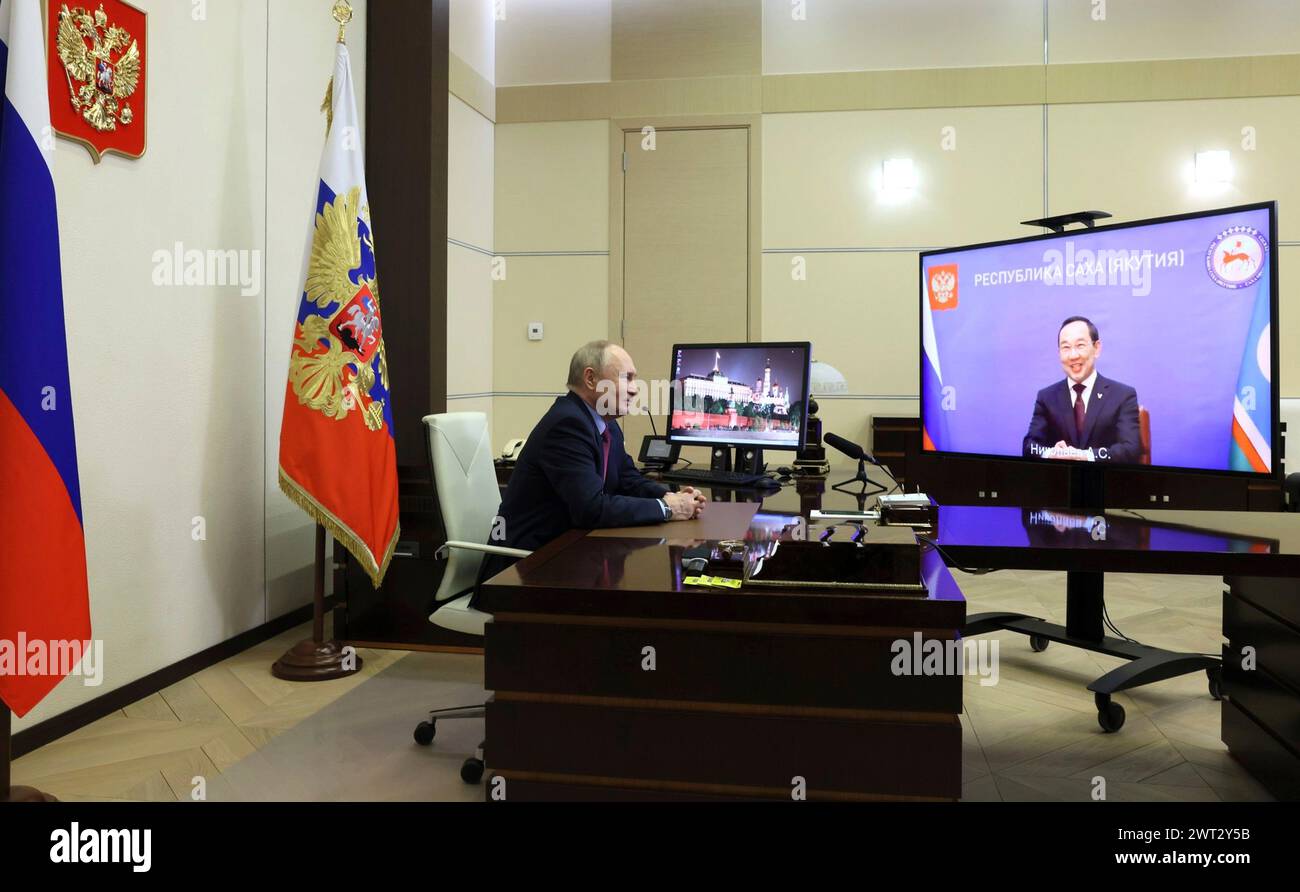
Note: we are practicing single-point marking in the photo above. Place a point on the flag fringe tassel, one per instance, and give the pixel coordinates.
(339, 530)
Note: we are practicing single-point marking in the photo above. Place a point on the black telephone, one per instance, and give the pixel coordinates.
(657, 454)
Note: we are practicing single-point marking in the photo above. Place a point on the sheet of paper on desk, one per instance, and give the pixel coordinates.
(721, 520)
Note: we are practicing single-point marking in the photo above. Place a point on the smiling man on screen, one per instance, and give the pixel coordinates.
(1086, 417)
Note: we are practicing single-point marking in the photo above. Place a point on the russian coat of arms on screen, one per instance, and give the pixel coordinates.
(96, 67)
(943, 287)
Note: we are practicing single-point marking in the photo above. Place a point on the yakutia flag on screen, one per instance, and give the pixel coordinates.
(1252, 422)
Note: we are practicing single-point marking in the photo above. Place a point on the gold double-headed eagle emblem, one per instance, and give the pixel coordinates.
(103, 74)
(331, 367)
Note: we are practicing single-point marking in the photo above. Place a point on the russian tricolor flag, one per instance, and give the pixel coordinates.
(43, 593)
(934, 418)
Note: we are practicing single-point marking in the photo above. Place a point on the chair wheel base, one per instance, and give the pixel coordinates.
(472, 771)
(425, 732)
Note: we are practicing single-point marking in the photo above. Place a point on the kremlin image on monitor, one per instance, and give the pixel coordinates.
(752, 393)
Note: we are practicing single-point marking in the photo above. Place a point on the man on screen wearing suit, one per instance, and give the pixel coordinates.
(574, 472)
(1086, 417)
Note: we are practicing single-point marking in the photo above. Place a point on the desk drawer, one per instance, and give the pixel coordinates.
(1275, 766)
(1280, 597)
(1277, 644)
(1271, 703)
(723, 663)
(757, 749)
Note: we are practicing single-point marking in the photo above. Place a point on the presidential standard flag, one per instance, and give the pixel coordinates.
(43, 595)
(338, 460)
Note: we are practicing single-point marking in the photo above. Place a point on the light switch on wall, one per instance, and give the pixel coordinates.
(536, 331)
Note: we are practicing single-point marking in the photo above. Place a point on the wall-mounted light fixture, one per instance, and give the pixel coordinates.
(1213, 168)
(897, 179)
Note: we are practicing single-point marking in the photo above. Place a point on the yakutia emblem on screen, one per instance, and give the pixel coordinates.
(1236, 257)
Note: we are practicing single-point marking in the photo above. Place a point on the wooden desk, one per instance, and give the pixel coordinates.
(750, 690)
(1257, 554)
(737, 668)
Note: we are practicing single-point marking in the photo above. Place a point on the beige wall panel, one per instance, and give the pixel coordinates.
(860, 312)
(1174, 79)
(1136, 160)
(470, 87)
(469, 321)
(851, 419)
(552, 187)
(686, 38)
(553, 42)
(514, 417)
(1239, 76)
(1170, 29)
(822, 172)
(562, 102)
(470, 138)
(570, 296)
(686, 246)
(852, 35)
(928, 88)
(472, 34)
(687, 96)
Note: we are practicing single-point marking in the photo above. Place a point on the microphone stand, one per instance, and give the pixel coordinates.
(869, 487)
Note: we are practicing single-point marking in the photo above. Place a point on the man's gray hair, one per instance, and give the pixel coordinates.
(590, 356)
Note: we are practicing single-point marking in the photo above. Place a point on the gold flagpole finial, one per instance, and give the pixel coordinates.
(342, 13)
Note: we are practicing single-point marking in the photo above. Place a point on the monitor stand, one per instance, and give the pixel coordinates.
(1085, 618)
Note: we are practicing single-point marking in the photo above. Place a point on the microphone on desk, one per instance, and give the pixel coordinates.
(853, 450)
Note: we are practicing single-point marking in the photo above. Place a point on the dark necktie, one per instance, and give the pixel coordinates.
(604, 440)
(1080, 414)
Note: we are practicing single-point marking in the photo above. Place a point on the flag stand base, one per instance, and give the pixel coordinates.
(8, 793)
(317, 659)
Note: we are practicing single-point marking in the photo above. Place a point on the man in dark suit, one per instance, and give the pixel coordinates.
(1086, 417)
(574, 472)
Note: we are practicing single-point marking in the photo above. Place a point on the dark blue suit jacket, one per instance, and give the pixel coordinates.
(556, 485)
(1111, 422)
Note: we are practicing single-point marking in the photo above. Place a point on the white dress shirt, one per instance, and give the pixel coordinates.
(1088, 383)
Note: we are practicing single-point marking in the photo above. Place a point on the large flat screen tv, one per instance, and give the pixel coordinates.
(1153, 343)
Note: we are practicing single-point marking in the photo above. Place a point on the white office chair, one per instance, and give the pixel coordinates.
(469, 498)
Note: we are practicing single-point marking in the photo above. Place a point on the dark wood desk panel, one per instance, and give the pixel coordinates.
(751, 688)
(816, 666)
(838, 755)
(1261, 715)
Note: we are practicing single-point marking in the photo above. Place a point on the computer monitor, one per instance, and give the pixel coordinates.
(743, 395)
(1168, 328)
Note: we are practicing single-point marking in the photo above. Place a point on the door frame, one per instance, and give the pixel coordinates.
(618, 127)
